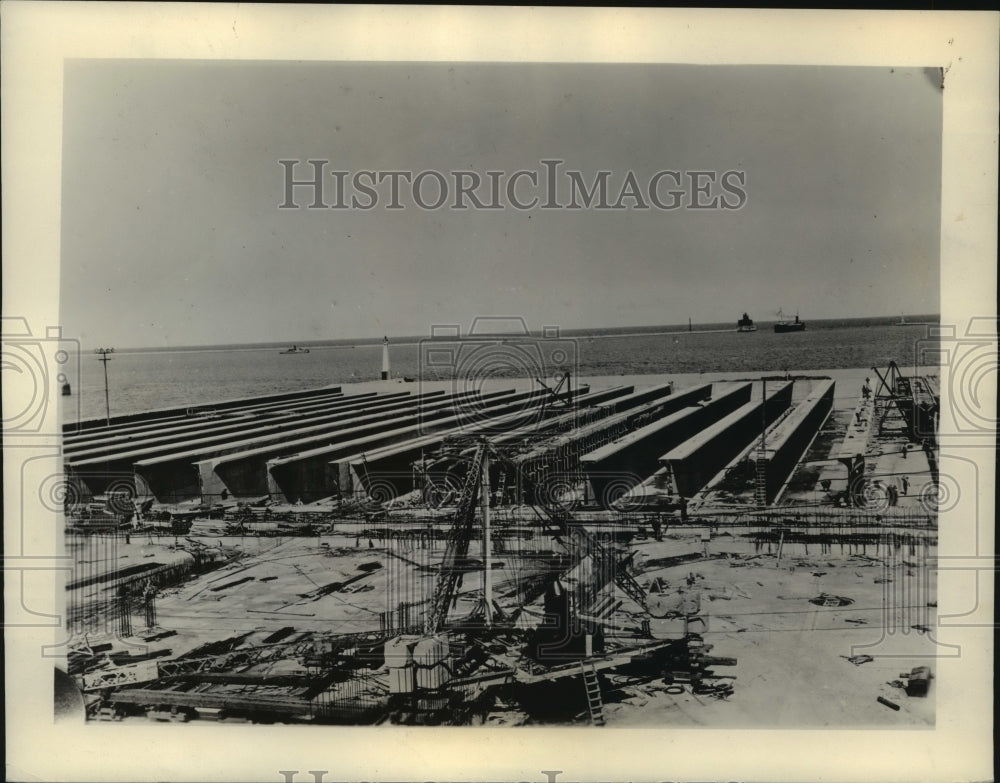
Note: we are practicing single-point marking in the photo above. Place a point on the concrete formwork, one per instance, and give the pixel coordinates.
(617, 467)
(788, 441)
(186, 412)
(692, 464)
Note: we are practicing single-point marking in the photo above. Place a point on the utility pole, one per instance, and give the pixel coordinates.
(103, 354)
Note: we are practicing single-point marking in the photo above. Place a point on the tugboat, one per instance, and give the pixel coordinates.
(789, 326)
(296, 349)
(746, 324)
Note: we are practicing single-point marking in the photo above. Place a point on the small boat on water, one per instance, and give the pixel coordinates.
(746, 324)
(295, 349)
(784, 325)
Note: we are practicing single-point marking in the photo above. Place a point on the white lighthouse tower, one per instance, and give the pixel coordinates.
(385, 358)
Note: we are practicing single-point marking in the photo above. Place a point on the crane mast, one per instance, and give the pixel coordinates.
(457, 551)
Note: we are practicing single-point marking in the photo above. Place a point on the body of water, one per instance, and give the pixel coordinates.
(145, 380)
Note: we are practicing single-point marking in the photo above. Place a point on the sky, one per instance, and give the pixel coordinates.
(172, 233)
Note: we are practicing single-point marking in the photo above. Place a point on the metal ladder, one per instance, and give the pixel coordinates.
(760, 482)
(501, 487)
(595, 704)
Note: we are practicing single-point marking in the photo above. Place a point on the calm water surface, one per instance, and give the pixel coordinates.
(144, 380)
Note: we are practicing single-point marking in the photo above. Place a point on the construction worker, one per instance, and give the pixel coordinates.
(905, 481)
(866, 390)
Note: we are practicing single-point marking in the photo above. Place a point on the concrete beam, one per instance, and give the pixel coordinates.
(785, 445)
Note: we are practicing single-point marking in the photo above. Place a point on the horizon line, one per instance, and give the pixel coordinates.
(411, 339)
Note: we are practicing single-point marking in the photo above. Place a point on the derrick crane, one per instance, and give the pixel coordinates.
(556, 520)
(457, 551)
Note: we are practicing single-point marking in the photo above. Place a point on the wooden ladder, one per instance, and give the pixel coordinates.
(595, 705)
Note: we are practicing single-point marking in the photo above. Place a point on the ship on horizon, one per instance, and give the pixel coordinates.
(295, 349)
(746, 324)
(784, 325)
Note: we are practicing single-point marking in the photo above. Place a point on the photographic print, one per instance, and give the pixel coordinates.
(512, 393)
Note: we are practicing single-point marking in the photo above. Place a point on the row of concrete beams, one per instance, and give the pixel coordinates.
(323, 472)
(693, 421)
(185, 412)
(788, 441)
(198, 422)
(388, 471)
(617, 467)
(661, 435)
(692, 464)
(552, 453)
(256, 472)
(621, 415)
(553, 465)
(369, 412)
(246, 425)
(593, 408)
(163, 468)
